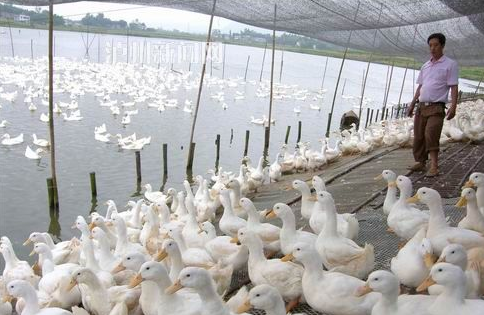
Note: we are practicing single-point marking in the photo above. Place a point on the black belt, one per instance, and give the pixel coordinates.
(432, 103)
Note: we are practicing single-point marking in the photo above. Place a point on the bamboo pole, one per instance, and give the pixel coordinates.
(330, 115)
(282, 66)
(391, 74)
(368, 70)
(271, 100)
(478, 85)
(288, 131)
(207, 45)
(403, 84)
(324, 73)
(51, 105)
(11, 40)
(98, 48)
(223, 63)
(127, 44)
(246, 68)
(263, 61)
(32, 49)
(343, 89)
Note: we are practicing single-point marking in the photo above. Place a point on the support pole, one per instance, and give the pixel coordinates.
(32, 49)
(478, 85)
(51, 106)
(343, 89)
(207, 45)
(165, 158)
(371, 116)
(367, 116)
(330, 115)
(263, 61)
(98, 48)
(246, 68)
(282, 66)
(403, 84)
(127, 44)
(324, 73)
(217, 156)
(268, 128)
(299, 130)
(11, 40)
(387, 91)
(223, 63)
(246, 146)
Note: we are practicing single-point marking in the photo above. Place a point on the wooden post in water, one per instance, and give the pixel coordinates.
(299, 131)
(165, 158)
(288, 131)
(271, 100)
(231, 135)
(386, 113)
(138, 166)
(324, 73)
(367, 116)
(371, 116)
(11, 40)
(246, 68)
(377, 113)
(192, 132)
(50, 193)
(246, 145)
(263, 60)
(92, 177)
(51, 106)
(217, 156)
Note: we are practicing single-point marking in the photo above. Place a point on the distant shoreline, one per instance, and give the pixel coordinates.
(470, 73)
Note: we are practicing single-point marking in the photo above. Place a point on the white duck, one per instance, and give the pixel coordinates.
(23, 289)
(452, 300)
(154, 280)
(307, 203)
(477, 180)
(40, 142)
(285, 277)
(411, 263)
(218, 247)
(474, 220)
(191, 256)
(391, 196)
(439, 232)
(16, 269)
(391, 302)
(229, 222)
(288, 235)
(7, 140)
(153, 196)
(339, 253)
(235, 195)
(329, 292)
(264, 297)
(404, 219)
(456, 254)
(275, 170)
(33, 155)
(201, 281)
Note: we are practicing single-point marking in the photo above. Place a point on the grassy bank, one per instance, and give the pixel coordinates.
(471, 73)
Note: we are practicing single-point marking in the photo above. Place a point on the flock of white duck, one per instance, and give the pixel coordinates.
(164, 255)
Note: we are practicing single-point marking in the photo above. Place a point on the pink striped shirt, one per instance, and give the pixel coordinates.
(436, 78)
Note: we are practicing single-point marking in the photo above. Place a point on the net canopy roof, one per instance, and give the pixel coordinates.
(396, 27)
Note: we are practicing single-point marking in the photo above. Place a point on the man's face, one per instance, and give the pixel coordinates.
(436, 49)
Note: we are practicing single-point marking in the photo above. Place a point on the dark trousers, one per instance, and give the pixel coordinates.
(427, 127)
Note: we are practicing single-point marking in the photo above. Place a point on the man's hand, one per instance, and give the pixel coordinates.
(410, 110)
(451, 113)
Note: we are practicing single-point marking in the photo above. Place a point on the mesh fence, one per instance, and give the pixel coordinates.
(398, 27)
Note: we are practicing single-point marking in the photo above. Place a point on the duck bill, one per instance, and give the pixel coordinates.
(244, 307)
(27, 242)
(441, 259)
(200, 229)
(71, 285)
(118, 268)
(392, 184)
(427, 283)
(429, 260)
(413, 199)
(161, 255)
(271, 214)
(234, 240)
(7, 298)
(174, 287)
(92, 225)
(288, 257)
(363, 290)
(135, 281)
(379, 177)
(461, 203)
(469, 184)
(313, 198)
(32, 253)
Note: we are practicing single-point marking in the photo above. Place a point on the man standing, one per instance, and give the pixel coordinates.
(436, 77)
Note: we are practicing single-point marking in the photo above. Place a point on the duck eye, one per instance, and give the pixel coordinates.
(78, 273)
(376, 279)
(440, 270)
(452, 252)
(188, 275)
(424, 192)
(257, 295)
(147, 268)
(129, 258)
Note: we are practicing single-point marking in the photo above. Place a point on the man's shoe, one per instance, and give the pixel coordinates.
(432, 172)
(419, 166)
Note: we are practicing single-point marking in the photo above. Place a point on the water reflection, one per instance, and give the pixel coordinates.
(93, 205)
(54, 226)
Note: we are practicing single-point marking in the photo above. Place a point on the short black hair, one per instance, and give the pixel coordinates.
(439, 36)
